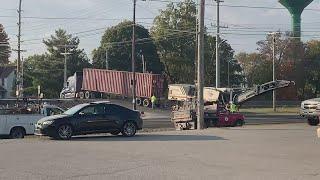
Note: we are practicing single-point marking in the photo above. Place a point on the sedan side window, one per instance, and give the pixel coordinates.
(93, 110)
(53, 111)
(113, 110)
(87, 111)
(99, 110)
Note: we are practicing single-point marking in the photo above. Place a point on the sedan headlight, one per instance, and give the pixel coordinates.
(47, 123)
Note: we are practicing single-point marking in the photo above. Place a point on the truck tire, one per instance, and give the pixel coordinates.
(314, 121)
(238, 123)
(139, 101)
(81, 95)
(17, 133)
(87, 95)
(146, 102)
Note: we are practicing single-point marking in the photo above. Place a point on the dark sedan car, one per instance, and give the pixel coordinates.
(97, 117)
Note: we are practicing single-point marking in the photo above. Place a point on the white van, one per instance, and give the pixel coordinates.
(17, 125)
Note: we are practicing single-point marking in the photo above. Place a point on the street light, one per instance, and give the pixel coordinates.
(273, 34)
(229, 62)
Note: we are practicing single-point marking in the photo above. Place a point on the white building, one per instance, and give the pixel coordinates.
(7, 81)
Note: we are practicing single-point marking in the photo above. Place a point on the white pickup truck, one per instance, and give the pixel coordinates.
(18, 125)
(310, 109)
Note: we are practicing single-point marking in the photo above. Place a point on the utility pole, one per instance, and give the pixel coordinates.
(22, 74)
(273, 34)
(144, 64)
(200, 75)
(19, 51)
(65, 54)
(107, 60)
(228, 74)
(65, 67)
(133, 53)
(217, 45)
(196, 45)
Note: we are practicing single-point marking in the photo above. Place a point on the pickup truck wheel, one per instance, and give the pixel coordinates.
(17, 133)
(313, 121)
(129, 129)
(64, 132)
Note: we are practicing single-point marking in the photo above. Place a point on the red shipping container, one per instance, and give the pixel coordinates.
(119, 82)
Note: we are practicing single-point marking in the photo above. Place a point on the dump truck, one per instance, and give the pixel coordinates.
(215, 114)
(216, 101)
(95, 82)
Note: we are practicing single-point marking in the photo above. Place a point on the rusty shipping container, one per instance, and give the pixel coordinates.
(119, 83)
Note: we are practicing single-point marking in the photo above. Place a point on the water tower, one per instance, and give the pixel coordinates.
(296, 7)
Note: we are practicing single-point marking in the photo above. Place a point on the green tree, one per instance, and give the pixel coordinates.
(44, 71)
(47, 69)
(174, 34)
(255, 68)
(117, 42)
(4, 46)
(311, 68)
(175, 37)
(290, 64)
(76, 61)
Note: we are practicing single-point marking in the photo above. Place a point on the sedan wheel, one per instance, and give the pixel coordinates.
(129, 129)
(64, 132)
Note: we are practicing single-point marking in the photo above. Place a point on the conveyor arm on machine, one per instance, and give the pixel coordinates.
(260, 89)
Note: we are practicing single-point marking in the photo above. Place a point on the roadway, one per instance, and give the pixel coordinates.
(154, 120)
(271, 151)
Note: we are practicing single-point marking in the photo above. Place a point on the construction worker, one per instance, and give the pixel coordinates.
(233, 107)
(153, 101)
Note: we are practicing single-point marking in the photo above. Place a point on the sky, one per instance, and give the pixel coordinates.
(243, 25)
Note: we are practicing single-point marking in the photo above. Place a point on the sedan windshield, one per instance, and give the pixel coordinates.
(74, 109)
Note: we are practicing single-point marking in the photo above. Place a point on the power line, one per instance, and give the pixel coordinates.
(261, 7)
(72, 18)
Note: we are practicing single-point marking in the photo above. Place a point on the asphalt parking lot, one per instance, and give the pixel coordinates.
(286, 151)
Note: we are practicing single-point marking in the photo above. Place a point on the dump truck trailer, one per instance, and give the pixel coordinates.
(92, 82)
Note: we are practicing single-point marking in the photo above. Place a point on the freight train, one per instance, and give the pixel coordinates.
(91, 83)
